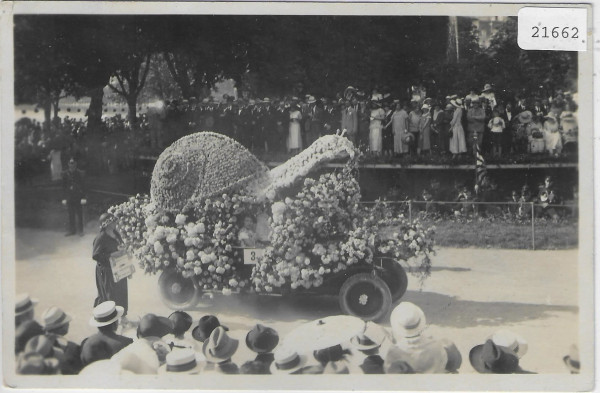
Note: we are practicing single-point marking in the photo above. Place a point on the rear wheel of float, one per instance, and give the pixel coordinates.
(366, 296)
(177, 292)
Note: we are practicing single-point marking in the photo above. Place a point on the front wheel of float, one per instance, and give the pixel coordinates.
(366, 296)
(177, 292)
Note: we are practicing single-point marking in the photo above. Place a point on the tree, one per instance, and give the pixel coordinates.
(43, 63)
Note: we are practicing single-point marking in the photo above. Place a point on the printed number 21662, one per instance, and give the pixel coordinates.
(554, 32)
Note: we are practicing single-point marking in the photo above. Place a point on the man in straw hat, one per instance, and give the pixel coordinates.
(423, 354)
(488, 94)
(288, 361)
(182, 361)
(24, 308)
(55, 323)
(106, 318)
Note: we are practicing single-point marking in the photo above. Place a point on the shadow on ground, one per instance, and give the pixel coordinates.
(441, 310)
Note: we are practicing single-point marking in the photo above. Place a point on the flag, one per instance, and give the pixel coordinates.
(480, 169)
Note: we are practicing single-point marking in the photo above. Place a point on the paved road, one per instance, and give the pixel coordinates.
(470, 293)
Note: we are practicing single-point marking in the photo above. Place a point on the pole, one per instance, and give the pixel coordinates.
(532, 226)
(410, 210)
(456, 37)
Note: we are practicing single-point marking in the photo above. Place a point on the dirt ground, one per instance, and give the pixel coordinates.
(470, 294)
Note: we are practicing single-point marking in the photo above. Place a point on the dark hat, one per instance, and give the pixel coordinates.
(399, 367)
(254, 367)
(181, 321)
(24, 332)
(34, 364)
(372, 365)
(205, 327)
(262, 339)
(94, 348)
(154, 326)
(330, 354)
(492, 359)
(454, 356)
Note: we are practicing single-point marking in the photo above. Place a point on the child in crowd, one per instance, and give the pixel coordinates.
(496, 126)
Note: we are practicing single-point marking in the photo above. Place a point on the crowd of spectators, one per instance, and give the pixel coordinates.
(414, 128)
(178, 345)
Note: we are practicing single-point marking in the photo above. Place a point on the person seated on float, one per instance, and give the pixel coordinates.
(247, 235)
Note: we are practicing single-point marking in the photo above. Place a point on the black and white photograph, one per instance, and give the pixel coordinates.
(260, 191)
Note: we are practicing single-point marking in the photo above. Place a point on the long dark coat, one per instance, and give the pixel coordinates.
(108, 289)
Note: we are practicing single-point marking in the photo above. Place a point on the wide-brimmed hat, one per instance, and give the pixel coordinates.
(525, 117)
(262, 339)
(106, 313)
(489, 358)
(287, 361)
(33, 363)
(24, 303)
(457, 103)
(311, 99)
(54, 317)
(205, 327)
(372, 337)
(184, 361)
(336, 367)
(103, 369)
(219, 347)
(572, 359)
(510, 340)
(487, 87)
(408, 138)
(550, 115)
(154, 326)
(323, 333)
(182, 321)
(407, 320)
(426, 106)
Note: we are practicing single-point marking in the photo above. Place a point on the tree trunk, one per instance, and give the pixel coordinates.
(47, 114)
(132, 115)
(94, 112)
(55, 105)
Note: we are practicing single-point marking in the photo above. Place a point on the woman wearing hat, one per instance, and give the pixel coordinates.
(399, 128)
(295, 136)
(458, 144)
(425, 129)
(106, 243)
(376, 128)
(552, 136)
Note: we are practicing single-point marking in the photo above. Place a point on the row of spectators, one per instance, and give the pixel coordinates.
(177, 345)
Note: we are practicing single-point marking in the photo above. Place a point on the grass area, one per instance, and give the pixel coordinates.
(509, 235)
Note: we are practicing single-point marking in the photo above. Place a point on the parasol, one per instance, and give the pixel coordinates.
(323, 333)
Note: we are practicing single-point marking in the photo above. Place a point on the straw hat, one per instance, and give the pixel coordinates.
(287, 361)
(372, 337)
(24, 303)
(106, 313)
(183, 361)
(54, 317)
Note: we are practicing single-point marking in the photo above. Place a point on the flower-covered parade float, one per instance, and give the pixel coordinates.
(218, 221)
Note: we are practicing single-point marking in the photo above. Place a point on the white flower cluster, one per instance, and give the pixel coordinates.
(323, 150)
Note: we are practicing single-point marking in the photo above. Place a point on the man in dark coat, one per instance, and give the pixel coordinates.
(74, 187)
(106, 342)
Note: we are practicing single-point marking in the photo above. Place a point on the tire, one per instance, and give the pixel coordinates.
(396, 279)
(176, 292)
(374, 306)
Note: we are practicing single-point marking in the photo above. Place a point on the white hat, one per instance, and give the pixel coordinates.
(102, 368)
(370, 338)
(54, 317)
(407, 320)
(487, 87)
(183, 360)
(311, 99)
(425, 106)
(106, 313)
(510, 340)
(24, 304)
(457, 102)
(138, 357)
(287, 361)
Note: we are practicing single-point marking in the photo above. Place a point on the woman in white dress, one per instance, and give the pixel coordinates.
(295, 136)
(552, 138)
(375, 128)
(55, 164)
(458, 143)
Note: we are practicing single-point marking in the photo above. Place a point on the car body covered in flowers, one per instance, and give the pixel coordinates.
(320, 238)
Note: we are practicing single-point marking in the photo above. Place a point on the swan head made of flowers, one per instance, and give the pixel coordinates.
(205, 164)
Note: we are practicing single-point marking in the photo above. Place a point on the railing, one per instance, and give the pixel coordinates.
(523, 213)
